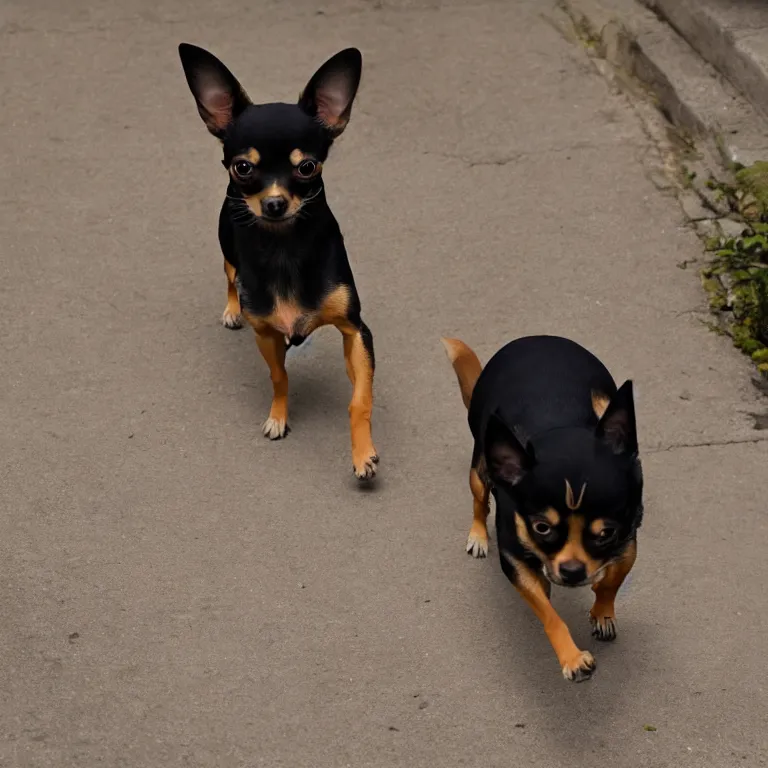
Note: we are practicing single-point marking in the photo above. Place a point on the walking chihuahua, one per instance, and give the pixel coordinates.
(556, 445)
(284, 257)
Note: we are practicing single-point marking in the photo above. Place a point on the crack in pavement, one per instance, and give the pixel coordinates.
(707, 444)
(473, 163)
(506, 159)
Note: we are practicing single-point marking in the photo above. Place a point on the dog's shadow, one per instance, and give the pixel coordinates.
(319, 395)
(587, 713)
(318, 384)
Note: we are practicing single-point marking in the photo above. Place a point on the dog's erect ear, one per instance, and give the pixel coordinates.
(220, 98)
(617, 426)
(508, 461)
(331, 91)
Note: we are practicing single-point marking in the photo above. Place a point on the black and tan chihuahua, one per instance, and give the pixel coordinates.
(556, 445)
(284, 257)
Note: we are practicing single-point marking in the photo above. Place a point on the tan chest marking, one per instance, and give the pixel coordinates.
(290, 318)
(286, 316)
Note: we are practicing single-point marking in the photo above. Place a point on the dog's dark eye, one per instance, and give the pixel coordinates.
(606, 535)
(307, 168)
(542, 528)
(242, 169)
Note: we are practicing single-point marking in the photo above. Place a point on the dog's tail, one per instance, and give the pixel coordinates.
(466, 364)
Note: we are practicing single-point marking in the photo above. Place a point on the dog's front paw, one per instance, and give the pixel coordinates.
(364, 464)
(477, 541)
(275, 429)
(231, 320)
(603, 627)
(580, 667)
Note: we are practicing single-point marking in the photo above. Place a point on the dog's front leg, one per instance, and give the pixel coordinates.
(271, 344)
(359, 358)
(603, 613)
(576, 665)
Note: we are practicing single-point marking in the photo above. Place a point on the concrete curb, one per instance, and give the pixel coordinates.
(688, 91)
(716, 130)
(731, 36)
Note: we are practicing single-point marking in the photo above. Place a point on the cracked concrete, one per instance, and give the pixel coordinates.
(708, 444)
(501, 161)
(178, 591)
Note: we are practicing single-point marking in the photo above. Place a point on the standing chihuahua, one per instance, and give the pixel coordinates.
(284, 257)
(556, 444)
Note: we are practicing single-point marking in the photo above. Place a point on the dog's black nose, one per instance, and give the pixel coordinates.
(274, 207)
(572, 572)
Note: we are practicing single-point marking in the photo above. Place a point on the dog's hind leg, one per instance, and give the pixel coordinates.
(231, 317)
(477, 542)
(341, 308)
(602, 616)
(358, 355)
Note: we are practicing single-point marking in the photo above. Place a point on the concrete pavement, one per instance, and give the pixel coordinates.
(178, 591)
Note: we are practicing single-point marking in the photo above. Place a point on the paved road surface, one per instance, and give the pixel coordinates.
(177, 591)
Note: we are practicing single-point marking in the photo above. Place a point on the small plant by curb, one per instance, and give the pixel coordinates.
(736, 276)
